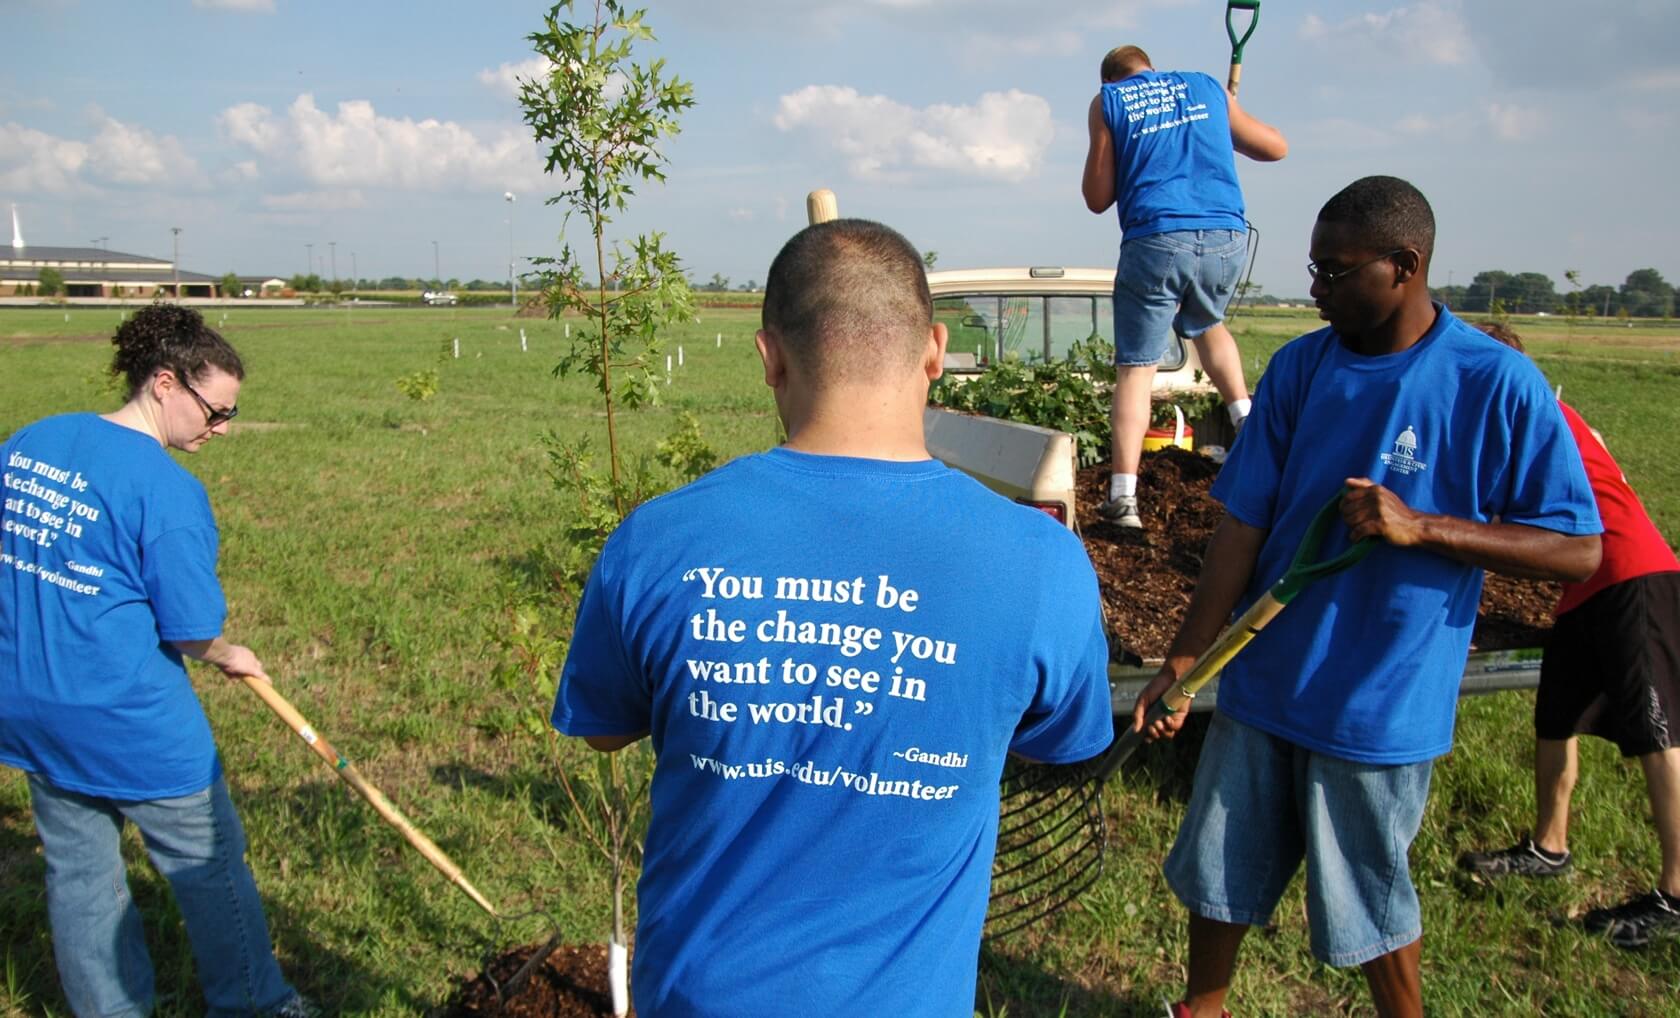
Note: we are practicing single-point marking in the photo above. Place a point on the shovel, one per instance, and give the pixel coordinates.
(1303, 569)
(1237, 44)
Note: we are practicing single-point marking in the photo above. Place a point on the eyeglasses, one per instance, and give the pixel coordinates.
(1329, 278)
(212, 416)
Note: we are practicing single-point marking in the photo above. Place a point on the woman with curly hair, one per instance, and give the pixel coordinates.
(107, 579)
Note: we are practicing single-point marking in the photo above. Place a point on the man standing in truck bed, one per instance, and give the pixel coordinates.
(1162, 146)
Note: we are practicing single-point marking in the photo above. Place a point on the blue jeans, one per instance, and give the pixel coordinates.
(196, 842)
(1182, 280)
(1260, 804)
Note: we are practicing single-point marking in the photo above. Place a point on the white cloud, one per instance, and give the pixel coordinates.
(356, 147)
(1511, 122)
(242, 6)
(741, 215)
(124, 154)
(32, 161)
(506, 78)
(1432, 32)
(1003, 136)
(119, 153)
(1665, 80)
(313, 201)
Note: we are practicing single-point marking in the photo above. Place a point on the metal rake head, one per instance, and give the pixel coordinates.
(1051, 838)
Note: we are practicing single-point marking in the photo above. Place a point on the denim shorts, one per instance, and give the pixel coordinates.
(1172, 281)
(1261, 804)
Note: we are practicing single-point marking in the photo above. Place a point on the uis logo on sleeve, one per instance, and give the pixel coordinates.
(1402, 458)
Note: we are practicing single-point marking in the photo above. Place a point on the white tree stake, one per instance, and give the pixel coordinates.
(521, 340)
(667, 369)
(618, 970)
(720, 341)
(457, 347)
(679, 357)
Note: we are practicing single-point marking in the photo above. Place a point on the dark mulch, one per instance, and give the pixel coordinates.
(572, 983)
(1146, 579)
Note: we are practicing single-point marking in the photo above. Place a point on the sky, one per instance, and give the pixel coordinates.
(276, 132)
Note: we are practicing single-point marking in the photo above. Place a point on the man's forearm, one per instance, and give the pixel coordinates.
(1513, 549)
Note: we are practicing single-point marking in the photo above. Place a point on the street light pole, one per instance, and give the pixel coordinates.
(332, 245)
(309, 260)
(513, 284)
(354, 275)
(176, 230)
(437, 274)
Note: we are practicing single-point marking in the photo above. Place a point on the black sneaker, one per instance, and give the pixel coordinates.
(1636, 922)
(1523, 859)
(1122, 512)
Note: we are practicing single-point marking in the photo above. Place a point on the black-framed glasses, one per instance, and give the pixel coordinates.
(1329, 278)
(212, 416)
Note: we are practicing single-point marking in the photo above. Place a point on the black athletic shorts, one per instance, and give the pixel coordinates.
(1612, 668)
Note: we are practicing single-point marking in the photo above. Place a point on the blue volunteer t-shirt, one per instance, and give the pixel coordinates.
(1365, 664)
(1174, 165)
(107, 554)
(834, 657)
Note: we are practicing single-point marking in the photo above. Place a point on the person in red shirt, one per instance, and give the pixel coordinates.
(1612, 669)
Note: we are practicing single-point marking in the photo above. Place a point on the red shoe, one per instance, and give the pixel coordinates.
(1182, 1010)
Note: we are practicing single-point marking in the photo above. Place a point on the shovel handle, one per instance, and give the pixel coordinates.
(1238, 42)
(1303, 569)
(384, 807)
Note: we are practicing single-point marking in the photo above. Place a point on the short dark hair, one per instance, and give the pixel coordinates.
(1505, 334)
(174, 337)
(1123, 62)
(848, 298)
(1385, 212)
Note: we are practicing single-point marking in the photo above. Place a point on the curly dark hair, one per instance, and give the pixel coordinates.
(1386, 212)
(174, 337)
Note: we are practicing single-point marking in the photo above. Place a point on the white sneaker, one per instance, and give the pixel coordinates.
(1122, 512)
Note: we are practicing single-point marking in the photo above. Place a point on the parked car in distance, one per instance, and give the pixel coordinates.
(436, 297)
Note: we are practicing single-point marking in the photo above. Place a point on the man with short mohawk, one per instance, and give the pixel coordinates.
(831, 686)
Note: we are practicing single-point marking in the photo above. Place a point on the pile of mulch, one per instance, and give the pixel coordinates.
(572, 983)
(1146, 579)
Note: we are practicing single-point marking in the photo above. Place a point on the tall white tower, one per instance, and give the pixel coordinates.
(17, 231)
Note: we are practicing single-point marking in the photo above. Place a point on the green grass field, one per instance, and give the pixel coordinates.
(383, 556)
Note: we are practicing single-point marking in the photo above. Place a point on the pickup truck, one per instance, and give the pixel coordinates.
(1041, 311)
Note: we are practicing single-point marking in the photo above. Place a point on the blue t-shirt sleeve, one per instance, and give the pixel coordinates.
(601, 691)
(178, 568)
(1545, 484)
(1071, 717)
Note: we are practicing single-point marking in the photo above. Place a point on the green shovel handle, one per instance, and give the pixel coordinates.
(1231, 7)
(1306, 566)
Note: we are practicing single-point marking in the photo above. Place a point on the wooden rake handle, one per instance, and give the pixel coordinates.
(366, 789)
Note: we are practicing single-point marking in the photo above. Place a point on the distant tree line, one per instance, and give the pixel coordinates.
(314, 283)
(1645, 294)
